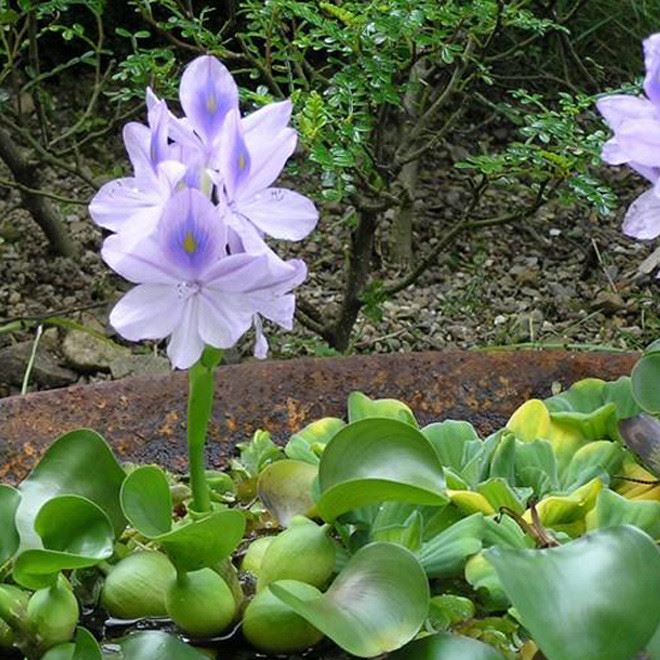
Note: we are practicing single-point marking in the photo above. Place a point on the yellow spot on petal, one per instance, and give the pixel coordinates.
(211, 103)
(241, 162)
(189, 243)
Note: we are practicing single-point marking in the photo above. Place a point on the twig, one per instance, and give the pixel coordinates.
(42, 193)
(41, 318)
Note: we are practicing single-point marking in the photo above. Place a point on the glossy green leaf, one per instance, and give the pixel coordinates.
(445, 554)
(503, 530)
(77, 463)
(445, 646)
(309, 443)
(375, 460)
(489, 496)
(376, 604)
(645, 378)
(588, 396)
(596, 459)
(535, 466)
(448, 609)
(408, 533)
(75, 533)
(285, 489)
(612, 510)
(9, 538)
(653, 347)
(604, 589)
(205, 542)
(481, 575)
(455, 442)
(146, 501)
(84, 647)
(154, 645)
(566, 513)
(361, 406)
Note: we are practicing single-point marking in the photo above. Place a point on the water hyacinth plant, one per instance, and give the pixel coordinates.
(368, 536)
(189, 231)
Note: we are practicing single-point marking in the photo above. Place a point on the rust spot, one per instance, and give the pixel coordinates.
(143, 417)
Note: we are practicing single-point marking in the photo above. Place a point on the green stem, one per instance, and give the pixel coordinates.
(200, 404)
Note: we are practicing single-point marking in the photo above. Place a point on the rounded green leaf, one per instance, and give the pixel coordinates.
(360, 406)
(445, 646)
(601, 592)
(376, 604)
(645, 378)
(154, 644)
(75, 533)
(376, 460)
(146, 501)
(9, 538)
(77, 463)
(205, 542)
(285, 489)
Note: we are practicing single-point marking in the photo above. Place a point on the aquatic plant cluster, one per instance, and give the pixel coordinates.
(365, 536)
(373, 533)
(189, 225)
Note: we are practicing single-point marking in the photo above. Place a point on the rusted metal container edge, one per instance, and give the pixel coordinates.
(143, 418)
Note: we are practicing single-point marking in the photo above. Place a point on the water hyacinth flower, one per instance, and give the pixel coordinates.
(189, 288)
(214, 150)
(635, 122)
(208, 176)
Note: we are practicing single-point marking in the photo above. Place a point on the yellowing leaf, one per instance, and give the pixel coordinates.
(469, 502)
(633, 490)
(531, 421)
(566, 513)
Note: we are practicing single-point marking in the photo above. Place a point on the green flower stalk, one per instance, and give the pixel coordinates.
(200, 404)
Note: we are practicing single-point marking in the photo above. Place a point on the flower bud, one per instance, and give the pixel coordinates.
(200, 603)
(135, 587)
(272, 626)
(52, 614)
(302, 552)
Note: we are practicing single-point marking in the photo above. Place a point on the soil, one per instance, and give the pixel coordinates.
(562, 278)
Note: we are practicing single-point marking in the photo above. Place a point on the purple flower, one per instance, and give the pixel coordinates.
(134, 204)
(189, 288)
(635, 122)
(252, 153)
(215, 151)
